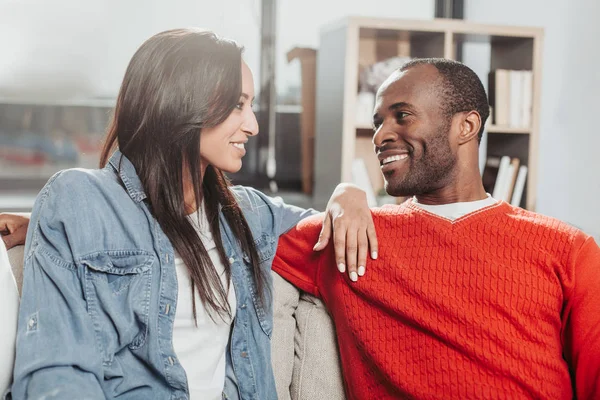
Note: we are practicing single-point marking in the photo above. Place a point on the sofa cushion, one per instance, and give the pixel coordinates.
(285, 302)
(317, 372)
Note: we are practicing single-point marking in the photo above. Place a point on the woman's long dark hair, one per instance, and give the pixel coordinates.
(177, 83)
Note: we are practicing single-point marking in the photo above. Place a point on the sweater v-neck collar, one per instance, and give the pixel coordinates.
(500, 206)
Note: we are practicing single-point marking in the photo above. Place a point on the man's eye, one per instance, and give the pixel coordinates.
(401, 115)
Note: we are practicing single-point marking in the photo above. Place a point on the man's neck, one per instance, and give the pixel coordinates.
(464, 190)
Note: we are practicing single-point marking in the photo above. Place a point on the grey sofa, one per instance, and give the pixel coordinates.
(304, 348)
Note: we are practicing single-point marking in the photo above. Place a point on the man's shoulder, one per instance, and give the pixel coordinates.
(392, 214)
(309, 226)
(542, 225)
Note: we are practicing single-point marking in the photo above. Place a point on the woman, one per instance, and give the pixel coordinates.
(120, 298)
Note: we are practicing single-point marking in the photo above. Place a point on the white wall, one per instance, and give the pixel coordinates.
(569, 184)
(72, 48)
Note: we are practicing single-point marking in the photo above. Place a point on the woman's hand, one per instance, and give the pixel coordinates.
(13, 229)
(349, 218)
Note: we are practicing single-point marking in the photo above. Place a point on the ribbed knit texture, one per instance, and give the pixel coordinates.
(489, 306)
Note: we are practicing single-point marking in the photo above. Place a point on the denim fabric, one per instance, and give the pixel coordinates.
(100, 293)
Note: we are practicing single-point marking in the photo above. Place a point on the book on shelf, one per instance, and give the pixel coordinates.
(490, 173)
(501, 184)
(519, 186)
(511, 97)
(527, 98)
(515, 79)
(504, 178)
(513, 170)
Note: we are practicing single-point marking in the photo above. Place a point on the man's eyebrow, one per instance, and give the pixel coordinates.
(400, 104)
(394, 107)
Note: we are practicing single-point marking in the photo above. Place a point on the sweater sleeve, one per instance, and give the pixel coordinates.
(581, 322)
(295, 259)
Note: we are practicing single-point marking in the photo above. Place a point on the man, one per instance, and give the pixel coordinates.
(470, 297)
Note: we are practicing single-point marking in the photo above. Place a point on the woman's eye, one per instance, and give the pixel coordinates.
(240, 105)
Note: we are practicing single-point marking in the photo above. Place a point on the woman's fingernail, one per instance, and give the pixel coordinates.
(353, 276)
(361, 270)
(342, 267)
(316, 245)
(374, 255)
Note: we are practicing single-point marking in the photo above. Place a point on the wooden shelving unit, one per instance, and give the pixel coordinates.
(355, 42)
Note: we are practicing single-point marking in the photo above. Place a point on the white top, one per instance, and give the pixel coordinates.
(201, 349)
(9, 299)
(454, 211)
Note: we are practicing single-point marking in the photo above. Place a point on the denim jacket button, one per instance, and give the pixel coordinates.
(244, 354)
(231, 260)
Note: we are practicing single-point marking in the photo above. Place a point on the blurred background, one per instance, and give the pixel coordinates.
(316, 64)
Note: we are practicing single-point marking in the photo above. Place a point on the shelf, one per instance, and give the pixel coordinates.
(508, 129)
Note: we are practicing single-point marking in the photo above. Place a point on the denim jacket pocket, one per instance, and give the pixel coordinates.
(265, 247)
(117, 291)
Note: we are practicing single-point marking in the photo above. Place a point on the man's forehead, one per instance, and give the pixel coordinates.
(390, 81)
(414, 80)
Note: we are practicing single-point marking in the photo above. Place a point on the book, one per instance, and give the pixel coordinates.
(527, 98)
(499, 96)
(490, 173)
(512, 179)
(501, 186)
(519, 186)
(511, 97)
(515, 102)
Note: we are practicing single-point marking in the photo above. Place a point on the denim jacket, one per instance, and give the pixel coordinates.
(100, 293)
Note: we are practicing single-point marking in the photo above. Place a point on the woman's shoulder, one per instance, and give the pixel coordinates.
(89, 209)
(78, 186)
(79, 179)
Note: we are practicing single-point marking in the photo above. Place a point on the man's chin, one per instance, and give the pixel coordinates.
(396, 191)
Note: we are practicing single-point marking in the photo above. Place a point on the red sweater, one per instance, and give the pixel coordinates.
(501, 303)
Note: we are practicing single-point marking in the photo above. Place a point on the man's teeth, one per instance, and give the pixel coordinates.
(390, 159)
(239, 145)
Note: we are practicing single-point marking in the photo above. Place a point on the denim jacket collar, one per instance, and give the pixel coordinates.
(126, 171)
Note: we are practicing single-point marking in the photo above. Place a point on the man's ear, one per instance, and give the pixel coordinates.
(469, 127)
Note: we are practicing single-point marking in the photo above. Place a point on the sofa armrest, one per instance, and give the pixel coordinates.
(317, 369)
(305, 358)
(285, 302)
(15, 258)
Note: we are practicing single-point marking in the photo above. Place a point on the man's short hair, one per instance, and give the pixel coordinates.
(461, 88)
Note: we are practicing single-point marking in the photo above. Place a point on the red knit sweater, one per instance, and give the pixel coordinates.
(501, 303)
